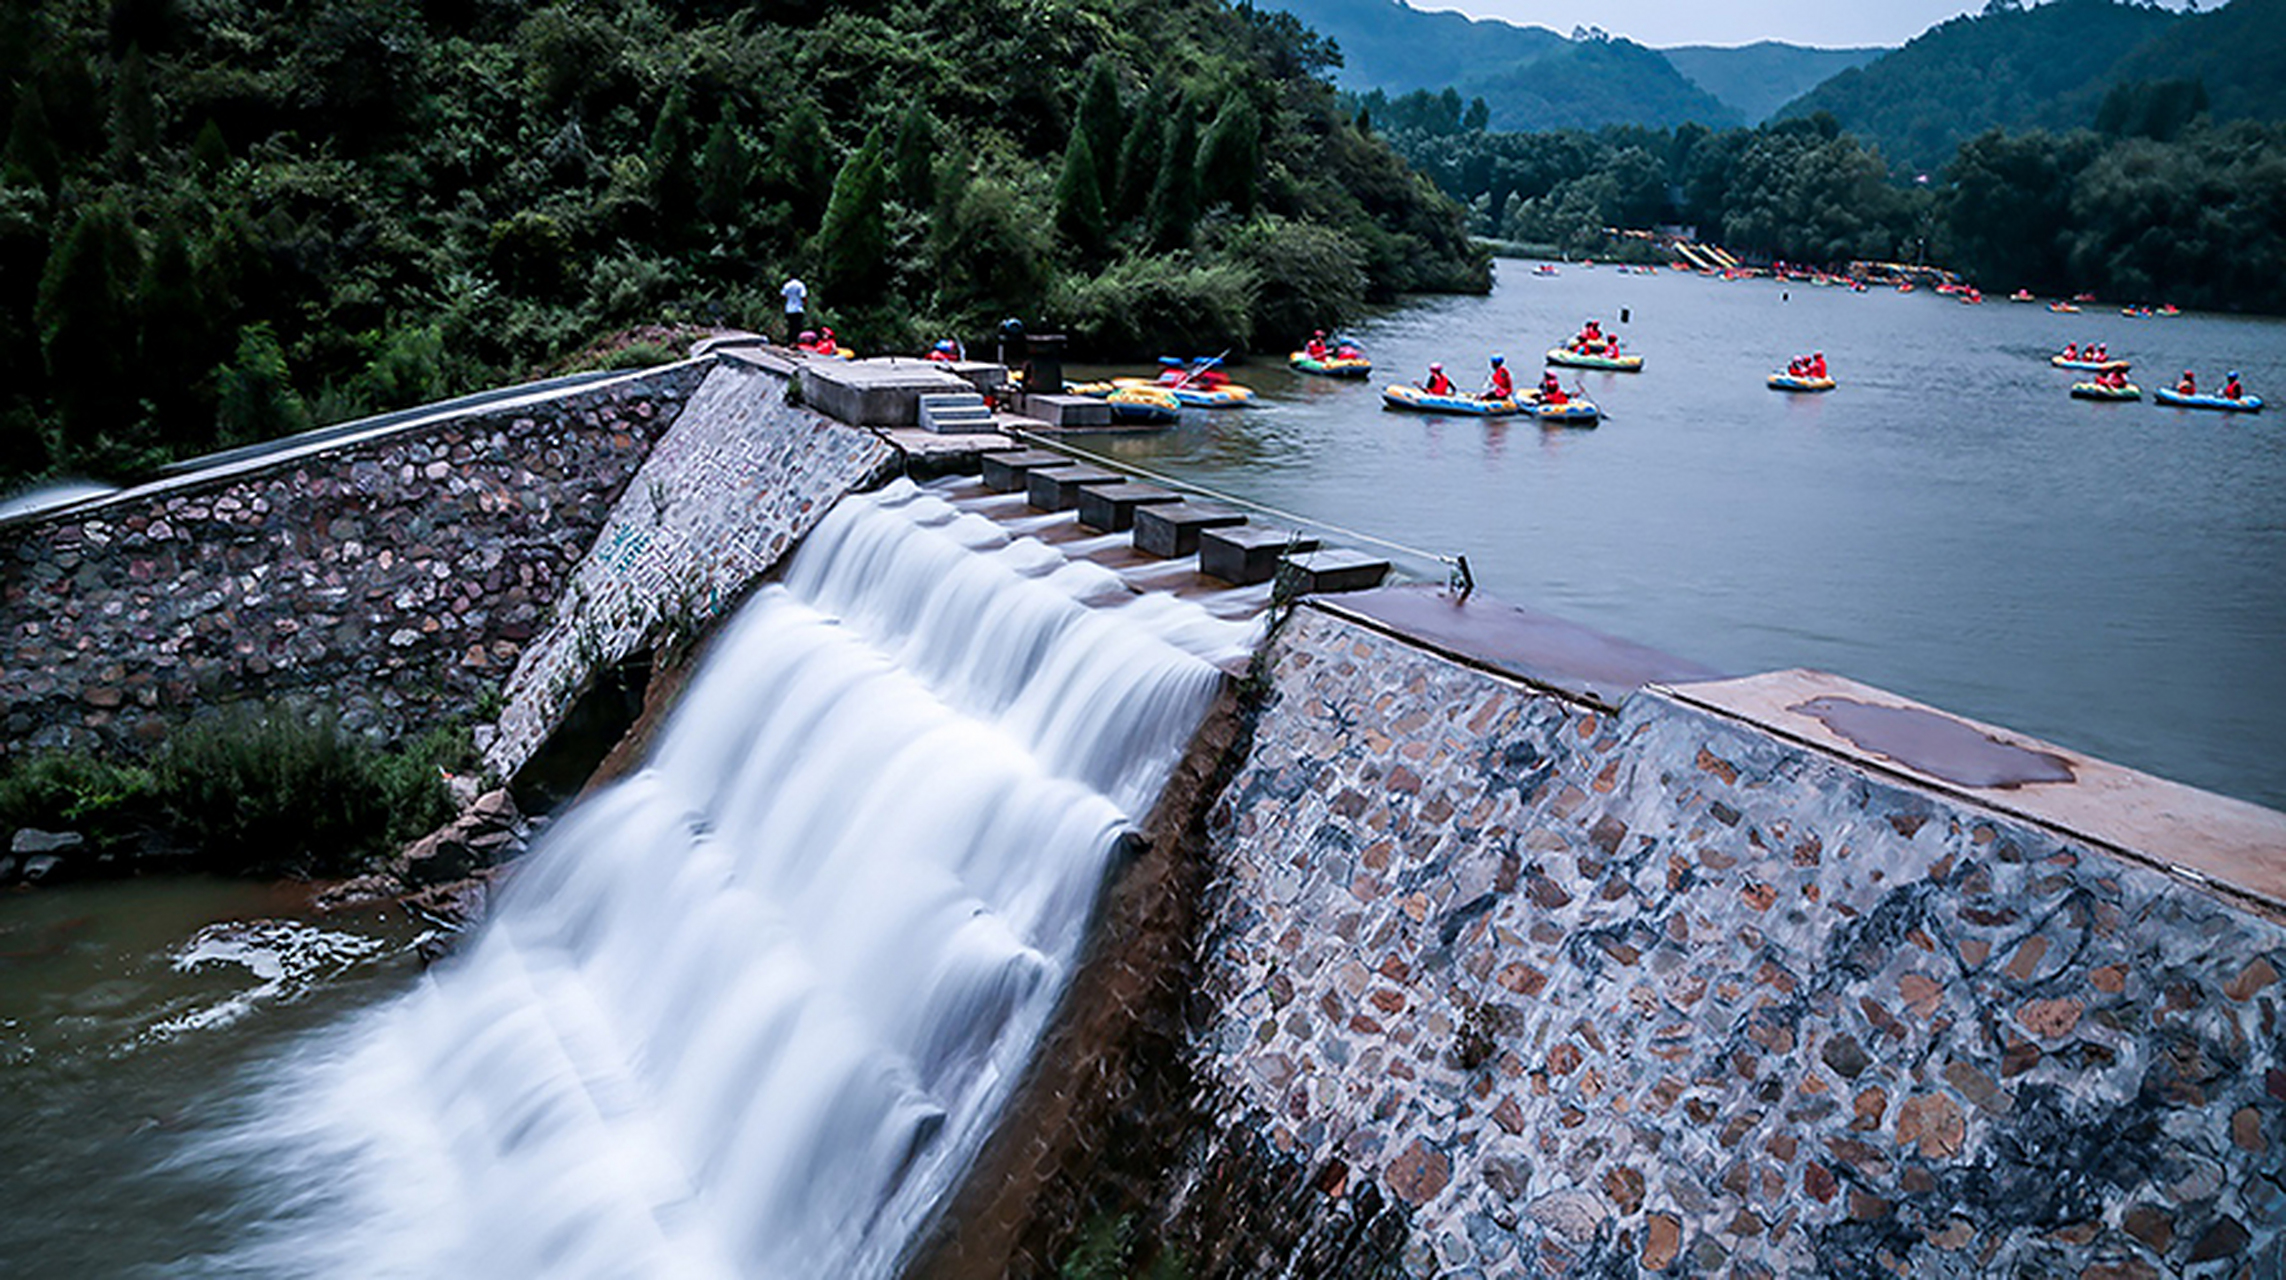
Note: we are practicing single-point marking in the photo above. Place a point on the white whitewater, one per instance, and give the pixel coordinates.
(751, 1011)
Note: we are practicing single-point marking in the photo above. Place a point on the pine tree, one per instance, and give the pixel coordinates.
(210, 152)
(178, 343)
(1174, 207)
(134, 123)
(1103, 121)
(724, 171)
(667, 157)
(1139, 155)
(802, 163)
(915, 164)
(86, 316)
(1230, 155)
(31, 154)
(852, 248)
(1079, 200)
(258, 399)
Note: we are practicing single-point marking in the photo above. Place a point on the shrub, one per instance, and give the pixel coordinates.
(279, 789)
(76, 791)
(1309, 276)
(1145, 306)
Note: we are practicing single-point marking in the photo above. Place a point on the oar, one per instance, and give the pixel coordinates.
(1200, 368)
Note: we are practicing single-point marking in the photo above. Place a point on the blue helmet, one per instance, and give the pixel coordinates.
(1500, 359)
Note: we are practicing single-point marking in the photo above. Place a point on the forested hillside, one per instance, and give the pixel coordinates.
(1529, 77)
(227, 219)
(1757, 79)
(2012, 67)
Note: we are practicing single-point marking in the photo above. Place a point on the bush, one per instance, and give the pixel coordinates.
(1146, 306)
(75, 791)
(1311, 277)
(278, 789)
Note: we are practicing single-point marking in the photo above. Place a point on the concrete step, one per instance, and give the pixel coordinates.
(1112, 507)
(1173, 530)
(955, 413)
(1322, 572)
(1246, 554)
(1058, 488)
(1006, 472)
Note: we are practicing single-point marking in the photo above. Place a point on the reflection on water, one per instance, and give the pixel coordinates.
(1948, 524)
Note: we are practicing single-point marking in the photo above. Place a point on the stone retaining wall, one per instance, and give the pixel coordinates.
(1655, 992)
(394, 579)
(742, 477)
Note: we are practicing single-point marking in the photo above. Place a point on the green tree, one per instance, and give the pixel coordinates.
(86, 315)
(1103, 121)
(724, 170)
(257, 401)
(134, 114)
(915, 166)
(210, 151)
(178, 345)
(1140, 154)
(852, 248)
(802, 166)
(1079, 200)
(1174, 207)
(1230, 159)
(667, 157)
(31, 154)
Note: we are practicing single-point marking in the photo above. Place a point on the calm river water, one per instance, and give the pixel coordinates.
(1948, 524)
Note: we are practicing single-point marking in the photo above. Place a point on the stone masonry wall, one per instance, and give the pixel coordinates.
(1657, 993)
(394, 580)
(741, 478)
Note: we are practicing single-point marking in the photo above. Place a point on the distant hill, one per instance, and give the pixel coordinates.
(1757, 79)
(2045, 66)
(2237, 52)
(1530, 77)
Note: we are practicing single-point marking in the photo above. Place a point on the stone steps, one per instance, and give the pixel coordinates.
(955, 413)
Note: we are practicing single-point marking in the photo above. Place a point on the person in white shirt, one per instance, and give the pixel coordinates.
(797, 306)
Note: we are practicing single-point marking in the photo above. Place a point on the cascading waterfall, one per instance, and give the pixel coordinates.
(751, 1011)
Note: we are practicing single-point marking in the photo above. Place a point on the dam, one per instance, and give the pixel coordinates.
(993, 878)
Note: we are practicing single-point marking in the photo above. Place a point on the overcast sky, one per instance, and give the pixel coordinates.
(1658, 23)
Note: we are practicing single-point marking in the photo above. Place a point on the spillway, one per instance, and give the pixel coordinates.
(751, 1011)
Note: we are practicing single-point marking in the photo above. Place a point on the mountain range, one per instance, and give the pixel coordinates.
(2012, 66)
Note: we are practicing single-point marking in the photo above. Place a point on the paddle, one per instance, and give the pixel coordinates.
(1199, 368)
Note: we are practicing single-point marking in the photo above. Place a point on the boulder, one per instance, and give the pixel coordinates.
(29, 840)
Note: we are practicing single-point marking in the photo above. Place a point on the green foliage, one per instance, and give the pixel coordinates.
(852, 249)
(104, 800)
(1162, 303)
(280, 788)
(1108, 1249)
(394, 199)
(258, 400)
(1307, 277)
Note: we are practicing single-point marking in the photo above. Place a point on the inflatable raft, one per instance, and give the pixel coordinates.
(1143, 406)
(1331, 366)
(2244, 404)
(2099, 391)
(1789, 382)
(1592, 360)
(1406, 396)
(1574, 411)
(2089, 366)
(1227, 396)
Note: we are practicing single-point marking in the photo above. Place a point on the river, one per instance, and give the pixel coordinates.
(1948, 524)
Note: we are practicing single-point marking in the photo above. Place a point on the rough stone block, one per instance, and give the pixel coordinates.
(1006, 472)
(1058, 488)
(1247, 554)
(1173, 529)
(1112, 507)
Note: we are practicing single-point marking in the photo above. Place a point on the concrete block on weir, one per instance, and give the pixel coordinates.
(1323, 572)
(1067, 413)
(1006, 472)
(1112, 507)
(1173, 529)
(1245, 554)
(1057, 488)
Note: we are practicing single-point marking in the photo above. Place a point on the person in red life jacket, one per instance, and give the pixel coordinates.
(1316, 348)
(807, 341)
(2189, 386)
(2072, 351)
(1817, 364)
(1347, 350)
(1499, 386)
(1438, 384)
(945, 352)
(1551, 391)
(2231, 389)
(1795, 367)
(2103, 351)
(1590, 337)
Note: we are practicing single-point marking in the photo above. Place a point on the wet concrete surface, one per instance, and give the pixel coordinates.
(1538, 647)
(1937, 745)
